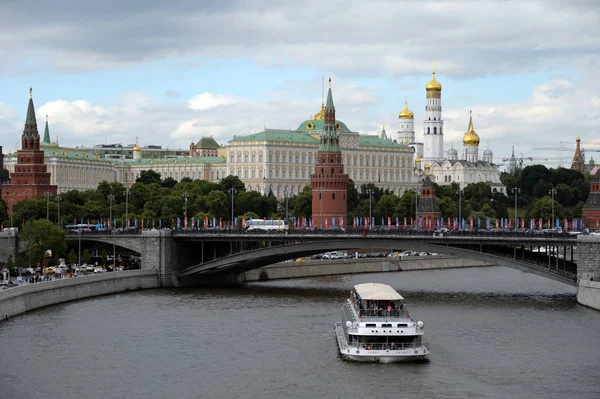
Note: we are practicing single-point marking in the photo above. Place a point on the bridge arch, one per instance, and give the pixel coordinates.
(253, 259)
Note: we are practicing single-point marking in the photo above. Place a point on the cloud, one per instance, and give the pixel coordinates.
(368, 38)
(206, 101)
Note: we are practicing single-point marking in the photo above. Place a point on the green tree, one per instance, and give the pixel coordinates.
(531, 176)
(86, 257)
(542, 208)
(302, 204)
(41, 235)
(448, 207)
(218, 204)
(352, 196)
(148, 177)
(386, 206)
(232, 182)
(168, 182)
(72, 257)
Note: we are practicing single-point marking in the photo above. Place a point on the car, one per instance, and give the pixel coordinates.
(440, 232)
(595, 233)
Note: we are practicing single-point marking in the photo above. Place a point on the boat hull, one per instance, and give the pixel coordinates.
(378, 356)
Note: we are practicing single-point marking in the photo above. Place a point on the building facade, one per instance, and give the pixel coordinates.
(427, 210)
(591, 210)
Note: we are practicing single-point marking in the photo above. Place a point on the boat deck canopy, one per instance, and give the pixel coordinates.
(377, 292)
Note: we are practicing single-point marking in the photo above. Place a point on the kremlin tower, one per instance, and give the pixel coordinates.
(428, 210)
(433, 125)
(329, 182)
(30, 178)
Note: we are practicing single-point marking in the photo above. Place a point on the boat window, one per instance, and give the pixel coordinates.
(370, 325)
(402, 325)
(386, 325)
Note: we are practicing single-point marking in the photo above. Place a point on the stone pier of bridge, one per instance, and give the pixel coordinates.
(588, 271)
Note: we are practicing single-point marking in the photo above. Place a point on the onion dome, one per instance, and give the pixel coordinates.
(417, 160)
(487, 152)
(136, 147)
(471, 139)
(427, 166)
(452, 152)
(433, 84)
(406, 113)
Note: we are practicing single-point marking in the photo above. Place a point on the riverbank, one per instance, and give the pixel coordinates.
(17, 300)
(314, 268)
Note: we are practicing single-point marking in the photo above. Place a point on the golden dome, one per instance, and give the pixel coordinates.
(578, 139)
(471, 139)
(427, 166)
(417, 160)
(136, 147)
(406, 113)
(321, 114)
(433, 84)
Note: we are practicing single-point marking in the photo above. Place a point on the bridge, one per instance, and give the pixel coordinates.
(201, 256)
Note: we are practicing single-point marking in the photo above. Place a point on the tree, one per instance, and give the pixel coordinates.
(217, 203)
(542, 208)
(72, 257)
(232, 182)
(531, 176)
(302, 204)
(86, 256)
(386, 206)
(352, 196)
(148, 177)
(169, 182)
(41, 235)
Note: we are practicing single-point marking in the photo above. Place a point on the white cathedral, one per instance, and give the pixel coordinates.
(449, 168)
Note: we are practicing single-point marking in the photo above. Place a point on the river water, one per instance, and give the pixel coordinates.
(494, 333)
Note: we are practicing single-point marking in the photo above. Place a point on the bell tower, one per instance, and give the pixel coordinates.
(433, 125)
(329, 182)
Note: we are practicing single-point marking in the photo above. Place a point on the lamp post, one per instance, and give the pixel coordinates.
(185, 201)
(58, 205)
(233, 192)
(370, 192)
(47, 205)
(285, 193)
(111, 197)
(516, 192)
(127, 207)
(552, 192)
(459, 208)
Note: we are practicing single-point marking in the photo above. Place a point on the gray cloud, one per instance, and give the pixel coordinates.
(368, 38)
(172, 93)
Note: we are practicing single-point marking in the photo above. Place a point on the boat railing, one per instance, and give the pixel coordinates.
(362, 313)
(378, 346)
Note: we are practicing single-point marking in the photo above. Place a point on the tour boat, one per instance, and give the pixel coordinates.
(376, 327)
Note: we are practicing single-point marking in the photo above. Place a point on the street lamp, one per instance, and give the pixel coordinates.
(127, 207)
(47, 193)
(111, 198)
(552, 192)
(58, 204)
(286, 204)
(233, 192)
(459, 209)
(370, 192)
(185, 201)
(516, 192)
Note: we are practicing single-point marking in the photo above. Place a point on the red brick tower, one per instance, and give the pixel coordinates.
(30, 178)
(428, 210)
(578, 161)
(329, 182)
(591, 210)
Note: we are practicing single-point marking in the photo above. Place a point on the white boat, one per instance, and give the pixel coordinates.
(376, 327)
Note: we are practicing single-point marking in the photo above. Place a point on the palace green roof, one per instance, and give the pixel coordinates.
(373, 141)
(287, 136)
(317, 125)
(176, 161)
(208, 142)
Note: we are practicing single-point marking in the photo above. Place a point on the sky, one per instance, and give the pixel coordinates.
(173, 72)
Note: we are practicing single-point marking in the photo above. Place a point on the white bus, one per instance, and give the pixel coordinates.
(259, 224)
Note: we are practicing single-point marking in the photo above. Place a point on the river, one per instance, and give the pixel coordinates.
(494, 332)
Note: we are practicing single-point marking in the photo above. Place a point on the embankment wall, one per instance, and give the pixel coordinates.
(17, 300)
(312, 268)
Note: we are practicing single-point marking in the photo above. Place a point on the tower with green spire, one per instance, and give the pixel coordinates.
(30, 178)
(46, 133)
(329, 182)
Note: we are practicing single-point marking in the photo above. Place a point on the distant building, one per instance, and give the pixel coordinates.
(206, 147)
(578, 159)
(427, 210)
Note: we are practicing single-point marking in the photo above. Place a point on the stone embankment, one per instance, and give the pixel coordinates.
(313, 268)
(17, 300)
